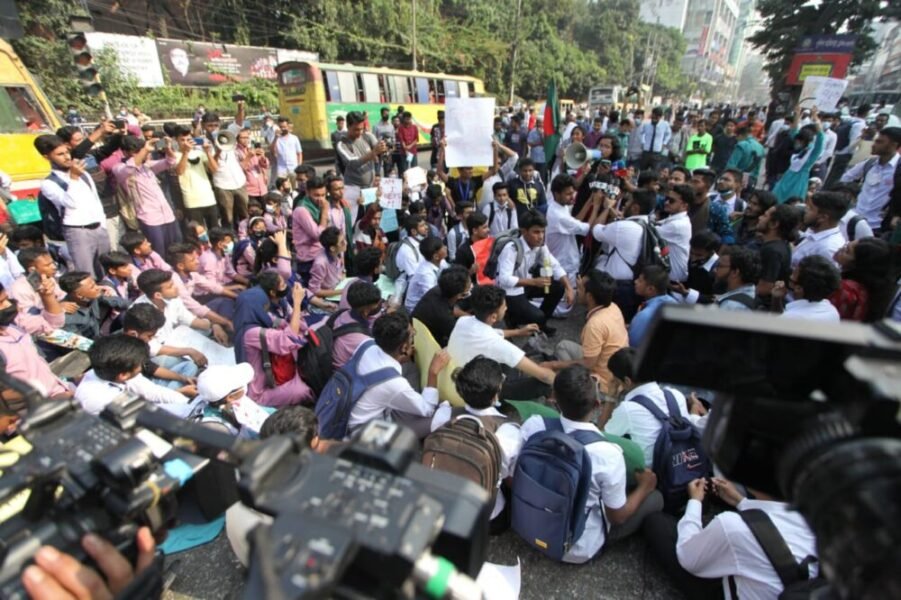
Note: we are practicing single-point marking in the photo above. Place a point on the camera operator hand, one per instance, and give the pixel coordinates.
(697, 489)
(57, 575)
(727, 491)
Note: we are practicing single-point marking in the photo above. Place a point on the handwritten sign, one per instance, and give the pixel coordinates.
(470, 123)
(392, 189)
(822, 92)
(389, 220)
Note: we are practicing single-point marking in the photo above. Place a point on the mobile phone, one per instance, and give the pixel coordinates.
(238, 97)
(34, 278)
(199, 140)
(257, 145)
(120, 123)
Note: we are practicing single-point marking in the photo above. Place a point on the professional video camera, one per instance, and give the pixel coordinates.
(808, 411)
(361, 523)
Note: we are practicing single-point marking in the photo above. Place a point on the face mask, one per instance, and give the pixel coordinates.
(419, 237)
(9, 314)
(204, 237)
(282, 293)
(270, 210)
(727, 192)
(229, 248)
(73, 112)
(258, 235)
(799, 146)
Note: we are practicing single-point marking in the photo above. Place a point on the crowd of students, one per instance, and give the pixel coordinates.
(169, 260)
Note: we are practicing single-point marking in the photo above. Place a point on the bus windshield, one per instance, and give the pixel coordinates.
(20, 111)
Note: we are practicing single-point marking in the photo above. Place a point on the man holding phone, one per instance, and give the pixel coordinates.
(255, 165)
(287, 150)
(700, 145)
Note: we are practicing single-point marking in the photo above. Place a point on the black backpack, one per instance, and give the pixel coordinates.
(654, 250)
(314, 359)
(795, 578)
(500, 242)
(51, 215)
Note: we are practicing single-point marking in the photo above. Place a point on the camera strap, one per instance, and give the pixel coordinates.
(775, 547)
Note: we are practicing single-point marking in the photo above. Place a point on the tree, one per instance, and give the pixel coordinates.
(784, 24)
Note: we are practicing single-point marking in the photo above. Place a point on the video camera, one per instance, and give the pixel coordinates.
(362, 522)
(808, 413)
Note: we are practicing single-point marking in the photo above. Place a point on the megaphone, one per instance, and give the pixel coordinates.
(226, 140)
(577, 154)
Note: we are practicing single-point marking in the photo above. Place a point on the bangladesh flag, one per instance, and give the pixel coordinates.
(551, 124)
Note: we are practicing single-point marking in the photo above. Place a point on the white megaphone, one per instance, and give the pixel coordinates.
(576, 155)
(226, 140)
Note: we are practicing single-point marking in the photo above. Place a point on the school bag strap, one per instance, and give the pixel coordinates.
(775, 548)
(583, 436)
(267, 359)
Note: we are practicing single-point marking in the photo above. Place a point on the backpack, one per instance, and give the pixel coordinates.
(843, 134)
(744, 299)
(392, 271)
(654, 250)
(851, 229)
(279, 368)
(795, 578)
(467, 446)
(678, 455)
(51, 215)
(500, 242)
(314, 359)
(550, 488)
(342, 392)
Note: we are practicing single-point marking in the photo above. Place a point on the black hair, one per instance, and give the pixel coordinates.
(575, 392)
(765, 199)
(303, 169)
(353, 117)
(391, 331)
(561, 182)
(705, 240)
(266, 253)
(363, 293)
(112, 355)
(217, 234)
(745, 261)
(479, 381)
(601, 286)
(452, 281)
(27, 256)
(367, 260)
(645, 199)
(893, 134)
(28, 233)
(708, 175)
(209, 117)
(682, 170)
(486, 299)
(315, 183)
(657, 111)
(329, 237)
(110, 260)
(71, 281)
(131, 143)
(268, 281)
(131, 240)
(147, 127)
(143, 317)
(66, 132)
(330, 179)
(622, 363)
(737, 175)
(863, 110)
(282, 119)
(833, 204)
(475, 220)
(617, 152)
(461, 207)
(430, 246)
(151, 281)
(177, 252)
(298, 421)
(657, 277)
(532, 218)
(411, 223)
(788, 218)
(684, 191)
(818, 277)
(646, 177)
(500, 185)
(525, 162)
(45, 144)
(418, 206)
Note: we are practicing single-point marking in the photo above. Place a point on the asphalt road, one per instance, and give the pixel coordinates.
(623, 572)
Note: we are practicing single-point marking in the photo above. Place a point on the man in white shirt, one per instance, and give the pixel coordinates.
(848, 137)
(287, 150)
(676, 230)
(10, 268)
(821, 166)
(425, 277)
(229, 180)
(813, 280)
(394, 398)
(408, 256)
(655, 136)
(701, 560)
(824, 211)
(117, 362)
(501, 212)
(877, 175)
(527, 269)
(74, 194)
(621, 243)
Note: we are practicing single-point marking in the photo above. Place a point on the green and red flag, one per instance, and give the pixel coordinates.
(551, 123)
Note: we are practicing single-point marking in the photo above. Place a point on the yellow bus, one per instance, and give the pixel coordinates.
(313, 95)
(25, 113)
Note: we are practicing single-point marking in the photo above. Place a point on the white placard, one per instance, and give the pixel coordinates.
(470, 123)
(392, 195)
(822, 92)
(370, 195)
(137, 55)
(415, 177)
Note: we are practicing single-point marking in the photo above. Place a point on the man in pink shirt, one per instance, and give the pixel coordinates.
(37, 263)
(187, 281)
(142, 253)
(219, 275)
(308, 221)
(255, 164)
(328, 267)
(136, 177)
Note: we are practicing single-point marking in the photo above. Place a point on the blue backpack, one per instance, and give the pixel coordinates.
(550, 488)
(343, 391)
(679, 457)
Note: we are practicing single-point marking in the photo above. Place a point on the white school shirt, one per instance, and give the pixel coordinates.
(632, 419)
(621, 243)
(395, 394)
(608, 483)
(94, 393)
(176, 314)
(726, 547)
(10, 269)
(812, 311)
(562, 227)
(456, 236)
(80, 202)
(676, 230)
(424, 279)
(508, 438)
(230, 175)
(408, 260)
(504, 218)
(508, 275)
(862, 229)
(471, 337)
(824, 243)
(876, 188)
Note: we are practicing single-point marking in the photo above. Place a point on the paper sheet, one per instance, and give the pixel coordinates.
(185, 337)
(500, 582)
(370, 195)
(389, 220)
(416, 177)
(352, 193)
(822, 92)
(392, 193)
(470, 123)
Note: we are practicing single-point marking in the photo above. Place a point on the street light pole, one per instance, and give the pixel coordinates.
(415, 62)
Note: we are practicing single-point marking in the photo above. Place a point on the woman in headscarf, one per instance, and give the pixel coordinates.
(245, 252)
(808, 145)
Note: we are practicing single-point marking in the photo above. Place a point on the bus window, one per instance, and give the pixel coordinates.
(440, 87)
(422, 90)
(450, 89)
(20, 112)
(361, 96)
(332, 89)
(370, 87)
(383, 89)
(400, 89)
(348, 83)
(294, 76)
(464, 89)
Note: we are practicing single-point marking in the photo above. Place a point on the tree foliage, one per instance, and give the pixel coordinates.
(785, 23)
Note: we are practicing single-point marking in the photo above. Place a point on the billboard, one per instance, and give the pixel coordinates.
(821, 56)
(204, 64)
(137, 56)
